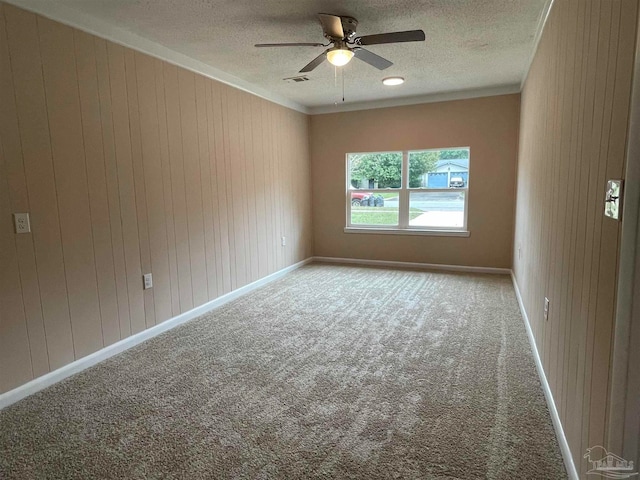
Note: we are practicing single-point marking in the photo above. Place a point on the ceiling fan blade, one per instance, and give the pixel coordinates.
(371, 58)
(314, 63)
(331, 25)
(394, 37)
(289, 45)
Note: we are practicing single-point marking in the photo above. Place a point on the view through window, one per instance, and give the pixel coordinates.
(417, 190)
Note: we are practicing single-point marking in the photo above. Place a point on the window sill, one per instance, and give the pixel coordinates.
(408, 231)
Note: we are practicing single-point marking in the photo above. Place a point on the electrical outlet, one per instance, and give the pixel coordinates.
(519, 252)
(148, 281)
(546, 308)
(21, 222)
(284, 241)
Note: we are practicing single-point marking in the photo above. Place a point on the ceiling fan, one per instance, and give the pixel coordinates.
(341, 33)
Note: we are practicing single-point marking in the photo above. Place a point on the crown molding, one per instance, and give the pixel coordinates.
(416, 100)
(94, 26)
(102, 29)
(542, 21)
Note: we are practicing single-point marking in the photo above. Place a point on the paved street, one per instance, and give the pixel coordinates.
(437, 201)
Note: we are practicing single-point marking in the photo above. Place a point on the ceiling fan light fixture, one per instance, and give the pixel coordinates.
(393, 81)
(339, 56)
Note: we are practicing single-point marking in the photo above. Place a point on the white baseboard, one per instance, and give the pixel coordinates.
(555, 418)
(83, 363)
(421, 266)
(51, 378)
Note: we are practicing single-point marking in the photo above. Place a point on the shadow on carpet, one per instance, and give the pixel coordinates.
(330, 372)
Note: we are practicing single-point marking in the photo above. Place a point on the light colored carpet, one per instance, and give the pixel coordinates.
(331, 372)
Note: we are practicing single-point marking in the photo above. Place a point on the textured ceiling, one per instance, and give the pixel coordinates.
(471, 44)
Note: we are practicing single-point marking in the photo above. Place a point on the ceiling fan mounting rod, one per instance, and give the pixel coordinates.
(340, 45)
(349, 25)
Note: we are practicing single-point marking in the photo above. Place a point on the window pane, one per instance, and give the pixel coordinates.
(437, 209)
(369, 171)
(447, 168)
(374, 208)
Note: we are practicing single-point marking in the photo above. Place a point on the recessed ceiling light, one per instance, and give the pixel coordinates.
(393, 81)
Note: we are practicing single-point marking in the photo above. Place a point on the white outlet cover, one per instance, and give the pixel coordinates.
(148, 281)
(546, 308)
(21, 222)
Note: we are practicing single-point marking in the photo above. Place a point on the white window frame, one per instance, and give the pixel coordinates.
(404, 192)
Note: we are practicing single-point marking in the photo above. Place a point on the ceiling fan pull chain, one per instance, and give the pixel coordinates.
(343, 85)
(335, 82)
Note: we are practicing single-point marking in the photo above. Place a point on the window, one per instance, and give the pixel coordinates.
(424, 191)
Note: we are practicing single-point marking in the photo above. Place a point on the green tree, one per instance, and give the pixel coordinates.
(454, 154)
(421, 163)
(383, 168)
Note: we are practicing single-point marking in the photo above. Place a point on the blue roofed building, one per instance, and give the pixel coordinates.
(456, 168)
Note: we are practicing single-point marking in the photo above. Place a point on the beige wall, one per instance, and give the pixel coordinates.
(488, 125)
(130, 165)
(575, 107)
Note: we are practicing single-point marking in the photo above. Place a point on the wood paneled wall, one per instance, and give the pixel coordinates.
(129, 165)
(573, 131)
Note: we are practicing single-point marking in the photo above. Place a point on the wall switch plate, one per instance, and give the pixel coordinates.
(284, 241)
(613, 201)
(148, 281)
(21, 222)
(546, 308)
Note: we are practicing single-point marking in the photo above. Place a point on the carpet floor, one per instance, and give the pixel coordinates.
(331, 372)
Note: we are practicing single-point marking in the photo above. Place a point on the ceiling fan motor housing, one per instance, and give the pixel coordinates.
(349, 25)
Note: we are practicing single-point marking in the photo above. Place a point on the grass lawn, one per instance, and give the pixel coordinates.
(379, 215)
(387, 195)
